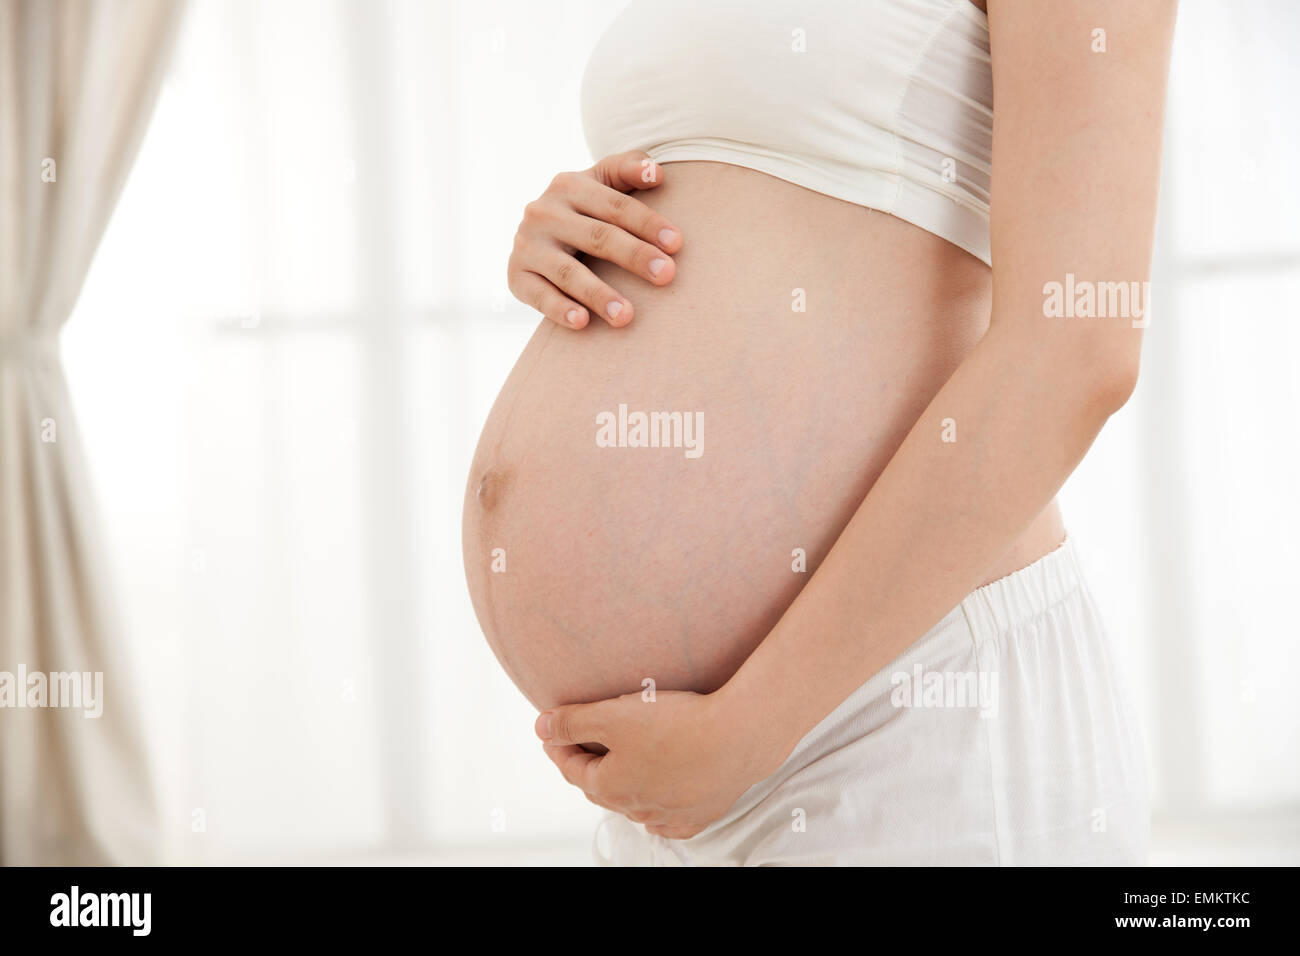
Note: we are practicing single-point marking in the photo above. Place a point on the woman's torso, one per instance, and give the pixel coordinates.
(810, 334)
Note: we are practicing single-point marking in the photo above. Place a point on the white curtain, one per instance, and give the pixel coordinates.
(77, 86)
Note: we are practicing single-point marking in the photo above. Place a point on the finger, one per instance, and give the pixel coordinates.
(671, 832)
(610, 242)
(575, 764)
(626, 171)
(533, 290)
(576, 724)
(595, 199)
(573, 278)
(598, 802)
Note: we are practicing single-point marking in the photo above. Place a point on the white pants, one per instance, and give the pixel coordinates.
(1004, 736)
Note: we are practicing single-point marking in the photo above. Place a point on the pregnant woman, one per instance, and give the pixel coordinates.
(763, 520)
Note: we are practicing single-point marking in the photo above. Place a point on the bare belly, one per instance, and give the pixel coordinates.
(596, 560)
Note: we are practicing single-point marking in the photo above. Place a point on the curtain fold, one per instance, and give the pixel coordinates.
(78, 82)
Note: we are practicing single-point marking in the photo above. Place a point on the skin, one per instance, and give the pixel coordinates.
(1077, 146)
(625, 565)
(589, 212)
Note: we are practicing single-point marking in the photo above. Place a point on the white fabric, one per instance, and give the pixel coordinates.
(883, 103)
(77, 85)
(1044, 767)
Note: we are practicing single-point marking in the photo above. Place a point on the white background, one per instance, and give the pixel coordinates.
(297, 323)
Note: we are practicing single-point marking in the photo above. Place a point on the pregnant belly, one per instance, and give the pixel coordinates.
(645, 502)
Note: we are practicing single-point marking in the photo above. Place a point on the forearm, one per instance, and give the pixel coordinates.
(1076, 138)
(931, 528)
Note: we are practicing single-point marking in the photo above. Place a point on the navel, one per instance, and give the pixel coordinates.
(491, 487)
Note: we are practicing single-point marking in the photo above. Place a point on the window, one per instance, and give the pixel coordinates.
(296, 325)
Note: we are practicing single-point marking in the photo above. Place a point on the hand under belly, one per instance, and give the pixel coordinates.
(646, 502)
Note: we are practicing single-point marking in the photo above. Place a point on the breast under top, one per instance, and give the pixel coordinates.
(884, 103)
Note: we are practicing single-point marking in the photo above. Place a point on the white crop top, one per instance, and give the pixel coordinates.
(884, 103)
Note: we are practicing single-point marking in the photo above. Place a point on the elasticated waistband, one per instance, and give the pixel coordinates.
(1023, 595)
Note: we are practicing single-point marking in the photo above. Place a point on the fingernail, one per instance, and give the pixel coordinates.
(543, 726)
(614, 308)
(572, 316)
(666, 236)
(657, 266)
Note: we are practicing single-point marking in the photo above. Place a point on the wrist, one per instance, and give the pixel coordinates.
(753, 726)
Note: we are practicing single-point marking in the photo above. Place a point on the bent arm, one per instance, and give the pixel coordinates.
(1076, 145)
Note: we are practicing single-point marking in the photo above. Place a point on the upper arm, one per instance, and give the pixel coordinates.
(1076, 162)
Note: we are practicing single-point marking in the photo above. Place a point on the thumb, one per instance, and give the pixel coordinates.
(627, 171)
(572, 724)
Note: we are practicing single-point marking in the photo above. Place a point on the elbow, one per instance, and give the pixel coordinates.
(1093, 370)
(1109, 379)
